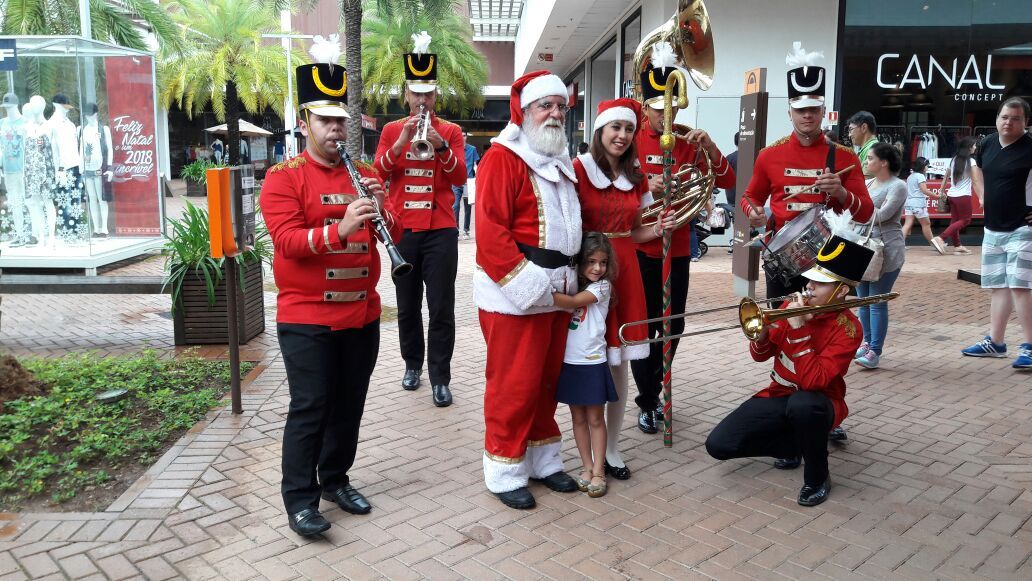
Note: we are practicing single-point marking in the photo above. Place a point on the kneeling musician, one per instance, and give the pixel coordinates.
(790, 418)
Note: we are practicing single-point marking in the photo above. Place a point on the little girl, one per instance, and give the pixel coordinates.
(585, 382)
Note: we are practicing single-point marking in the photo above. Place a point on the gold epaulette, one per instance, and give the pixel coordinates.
(844, 148)
(781, 141)
(846, 324)
(361, 165)
(291, 163)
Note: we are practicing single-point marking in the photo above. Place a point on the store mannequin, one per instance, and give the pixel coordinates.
(216, 150)
(39, 171)
(68, 193)
(12, 162)
(97, 157)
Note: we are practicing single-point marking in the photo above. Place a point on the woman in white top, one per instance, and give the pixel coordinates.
(963, 182)
(916, 209)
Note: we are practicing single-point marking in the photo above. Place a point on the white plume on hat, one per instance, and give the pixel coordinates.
(663, 56)
(421, 42)
(842, 225)
(325, 49)
(798, 57)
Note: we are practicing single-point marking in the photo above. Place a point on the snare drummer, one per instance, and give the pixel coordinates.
(797, 172)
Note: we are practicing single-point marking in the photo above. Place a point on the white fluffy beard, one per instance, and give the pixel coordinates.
(549, 138)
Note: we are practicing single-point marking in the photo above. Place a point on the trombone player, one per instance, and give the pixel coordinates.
(422, 157)
(648, 373)
(792, 416)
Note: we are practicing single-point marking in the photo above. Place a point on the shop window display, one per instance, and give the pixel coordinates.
(78, 156)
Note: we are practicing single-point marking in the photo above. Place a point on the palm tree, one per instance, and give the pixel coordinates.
(351, 20)
(225, 62)
(461, 70)
(109, 23)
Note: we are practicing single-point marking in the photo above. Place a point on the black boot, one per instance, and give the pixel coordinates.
(520, 498)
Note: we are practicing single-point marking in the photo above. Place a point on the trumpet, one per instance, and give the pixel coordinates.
(421, 146)
(398, 265)
(752, 318)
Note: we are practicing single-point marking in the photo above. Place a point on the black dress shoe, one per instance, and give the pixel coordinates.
(349, 499)
(788, 463)
(814, 495)
(647, 422)
(308, 522)
(411, 379)
(442, 396)
(837, 435)
(559, 482)
(520, 498)
(621, 473)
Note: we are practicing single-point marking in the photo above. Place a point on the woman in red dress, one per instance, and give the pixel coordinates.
(612, 193)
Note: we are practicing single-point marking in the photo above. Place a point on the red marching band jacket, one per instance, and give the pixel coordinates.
(422, 190)
(651, 158)
(787, 166)
(322, 279)
(814, 357)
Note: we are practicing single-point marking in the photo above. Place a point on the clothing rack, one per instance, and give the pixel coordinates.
(934, 141)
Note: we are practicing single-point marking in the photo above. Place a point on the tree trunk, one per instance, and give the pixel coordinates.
(351, 12)
(232, 123)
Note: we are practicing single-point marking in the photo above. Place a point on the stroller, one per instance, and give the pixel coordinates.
(708, 225)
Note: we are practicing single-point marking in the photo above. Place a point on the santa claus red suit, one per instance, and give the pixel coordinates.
(528, 230)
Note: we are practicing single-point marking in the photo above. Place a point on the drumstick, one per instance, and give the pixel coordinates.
(813, 189)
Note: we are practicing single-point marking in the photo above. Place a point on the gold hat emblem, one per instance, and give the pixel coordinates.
(652, 81)
(421, 73)
(326, 90)
(826, 257)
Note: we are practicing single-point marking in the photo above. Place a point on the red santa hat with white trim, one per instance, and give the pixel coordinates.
(527, 89)
(617, 110)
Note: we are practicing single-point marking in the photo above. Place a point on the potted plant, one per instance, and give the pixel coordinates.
(198, 286)
(195, 176)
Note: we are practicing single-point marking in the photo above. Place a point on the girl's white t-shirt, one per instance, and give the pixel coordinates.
(586, 341)
(963, 187)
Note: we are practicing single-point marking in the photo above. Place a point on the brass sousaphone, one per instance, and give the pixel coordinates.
(690, 33)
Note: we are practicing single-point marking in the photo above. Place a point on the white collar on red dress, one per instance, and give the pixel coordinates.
(599, 179)
(548, 167)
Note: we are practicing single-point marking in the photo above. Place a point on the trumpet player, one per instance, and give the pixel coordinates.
(791, 417)
(422, 157)
(328, 311)
(648, 373)
(799, 171)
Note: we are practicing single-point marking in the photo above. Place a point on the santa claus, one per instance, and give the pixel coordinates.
(528, 230)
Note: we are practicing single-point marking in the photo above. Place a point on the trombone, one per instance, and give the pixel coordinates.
(421, 147)
(752, 318)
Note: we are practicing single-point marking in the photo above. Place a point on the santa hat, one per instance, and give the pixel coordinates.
(527, 89)
(617, 110)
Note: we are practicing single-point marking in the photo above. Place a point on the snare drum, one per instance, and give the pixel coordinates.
(793, 249)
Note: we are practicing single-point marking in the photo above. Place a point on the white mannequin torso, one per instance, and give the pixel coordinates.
(65, 139)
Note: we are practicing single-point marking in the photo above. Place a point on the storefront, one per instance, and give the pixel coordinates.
(79, 154)
(933, 72)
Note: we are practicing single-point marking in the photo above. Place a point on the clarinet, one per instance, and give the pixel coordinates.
(398, 265)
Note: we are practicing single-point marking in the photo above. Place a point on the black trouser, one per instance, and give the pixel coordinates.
(648, 373)
(779, 427)
(328, 374)
(434, 255)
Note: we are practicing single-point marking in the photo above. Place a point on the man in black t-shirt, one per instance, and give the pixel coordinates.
(1005, 161)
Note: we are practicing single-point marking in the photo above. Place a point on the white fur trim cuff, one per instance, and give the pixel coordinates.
(502, 477)
(543, 86)
(544, 460)
(614, 114)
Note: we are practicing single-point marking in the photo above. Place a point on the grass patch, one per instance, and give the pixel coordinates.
(64, 442)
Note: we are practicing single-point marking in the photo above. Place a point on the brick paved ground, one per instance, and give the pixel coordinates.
(935, 482)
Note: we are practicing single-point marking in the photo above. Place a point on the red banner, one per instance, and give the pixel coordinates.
(130, 92)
